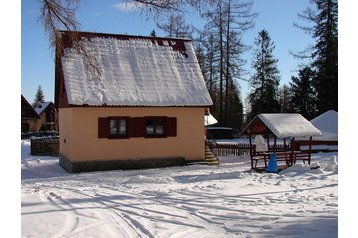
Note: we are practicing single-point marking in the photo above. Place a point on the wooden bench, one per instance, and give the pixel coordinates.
(288, 157)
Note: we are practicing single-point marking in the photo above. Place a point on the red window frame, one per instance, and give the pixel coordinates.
(136, 127)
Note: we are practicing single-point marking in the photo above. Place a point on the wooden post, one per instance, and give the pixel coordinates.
(251, 152)
(274, 144)
(284, 144)
(268, 142)
(292, 150)
(310, 150)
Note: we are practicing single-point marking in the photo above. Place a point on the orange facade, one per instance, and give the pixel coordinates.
(80, 142)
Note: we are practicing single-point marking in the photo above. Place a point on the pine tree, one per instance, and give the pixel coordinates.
(39, 97)
(265, 81)
(284, 99)
(325, 52)
(153, 33)
(303, 99)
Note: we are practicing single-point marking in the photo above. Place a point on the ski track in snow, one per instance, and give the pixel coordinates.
(203, 201)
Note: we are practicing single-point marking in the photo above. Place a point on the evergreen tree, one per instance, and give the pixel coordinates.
(325, 52)
(39, 97)
(284, 99)
(303, 99)
(265, 81)
(153, 33)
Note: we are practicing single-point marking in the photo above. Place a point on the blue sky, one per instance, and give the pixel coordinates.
(37, 58)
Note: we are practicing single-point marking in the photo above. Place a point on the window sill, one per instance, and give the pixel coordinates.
(155, 136)
(118, 137)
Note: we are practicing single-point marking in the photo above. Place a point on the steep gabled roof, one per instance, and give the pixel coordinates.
(27, 111)
(42, 107)
(135, 71)
(281, 125)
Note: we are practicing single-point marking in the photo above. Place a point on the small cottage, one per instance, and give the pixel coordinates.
(47, 117)
(144, 109)
(28, 116)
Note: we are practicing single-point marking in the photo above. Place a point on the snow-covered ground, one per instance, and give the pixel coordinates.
(190, 201)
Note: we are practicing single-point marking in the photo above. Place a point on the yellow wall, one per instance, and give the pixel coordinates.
(79, 127)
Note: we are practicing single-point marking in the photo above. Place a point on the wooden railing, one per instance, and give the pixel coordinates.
(45, 146)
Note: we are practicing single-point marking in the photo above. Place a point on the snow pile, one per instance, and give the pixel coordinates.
(332, 165)
(327, 123)
(299, 169)
(135, 72)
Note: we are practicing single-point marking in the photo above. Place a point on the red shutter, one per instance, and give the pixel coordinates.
(136, 127)
(171, 126)
(103, 127)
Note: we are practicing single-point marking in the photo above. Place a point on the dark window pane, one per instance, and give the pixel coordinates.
(159, 129)
(122, 127)
(113, 127)
(149, 127)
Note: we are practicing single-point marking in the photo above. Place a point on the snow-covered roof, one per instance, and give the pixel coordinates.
(135, 71)
(210, 120)
(327, 123)
(41, 107)
(284, 125)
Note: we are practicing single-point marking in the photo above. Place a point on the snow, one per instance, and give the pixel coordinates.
(41, 107)
(327, 123)
(135, 72)
(190, 201)
(289, 125)
(209, 120)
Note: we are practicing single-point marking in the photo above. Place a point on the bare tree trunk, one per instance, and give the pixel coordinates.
(221, 65)
(227, 64)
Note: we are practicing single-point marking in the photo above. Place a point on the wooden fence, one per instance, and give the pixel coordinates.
(45, 146)
(229, 149)
(235, 149)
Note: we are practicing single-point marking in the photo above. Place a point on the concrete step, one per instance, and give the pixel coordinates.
(210, 157)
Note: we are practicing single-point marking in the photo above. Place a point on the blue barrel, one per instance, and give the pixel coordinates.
(272, 165)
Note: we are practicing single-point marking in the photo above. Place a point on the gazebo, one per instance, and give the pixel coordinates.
(281, 126)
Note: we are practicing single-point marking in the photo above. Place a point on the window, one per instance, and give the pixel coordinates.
(117, 127)
(154, 127)
(127, 127)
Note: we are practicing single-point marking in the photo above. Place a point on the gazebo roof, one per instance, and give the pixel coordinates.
(281, 125)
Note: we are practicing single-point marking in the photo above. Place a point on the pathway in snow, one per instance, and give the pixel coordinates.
(202, 201)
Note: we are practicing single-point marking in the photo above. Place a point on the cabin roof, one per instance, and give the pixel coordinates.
(135, 71)
(281, 125)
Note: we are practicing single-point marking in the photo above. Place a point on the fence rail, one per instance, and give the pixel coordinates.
(235, 149)
(45, 146)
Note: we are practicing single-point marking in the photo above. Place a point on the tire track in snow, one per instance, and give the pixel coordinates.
(131, 227)
(70, 223)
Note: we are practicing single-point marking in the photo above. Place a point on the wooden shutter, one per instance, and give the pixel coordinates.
(136, 127)
(103, 127)
(171, 126)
